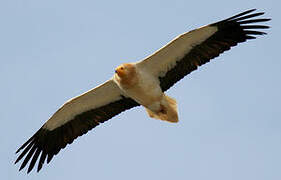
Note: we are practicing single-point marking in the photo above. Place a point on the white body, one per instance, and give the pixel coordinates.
(145, 89)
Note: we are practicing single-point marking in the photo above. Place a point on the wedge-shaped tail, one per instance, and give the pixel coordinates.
(168, 110)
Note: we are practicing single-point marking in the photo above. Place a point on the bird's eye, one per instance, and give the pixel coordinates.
(122, 68)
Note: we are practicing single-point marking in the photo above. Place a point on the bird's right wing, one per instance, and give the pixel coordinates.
(75, 118)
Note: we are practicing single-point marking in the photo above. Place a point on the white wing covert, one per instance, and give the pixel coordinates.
(75, 118)
(197, 47)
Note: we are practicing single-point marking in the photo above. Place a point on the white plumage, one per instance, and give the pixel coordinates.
(99, 96)
(141, 83)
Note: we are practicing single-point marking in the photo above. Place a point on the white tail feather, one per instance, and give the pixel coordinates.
(168, 110)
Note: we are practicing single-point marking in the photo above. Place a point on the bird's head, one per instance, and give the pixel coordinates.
(121, 71)
(124, 70)
(125, 75)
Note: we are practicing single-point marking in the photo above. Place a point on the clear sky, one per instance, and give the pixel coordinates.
(229, 109)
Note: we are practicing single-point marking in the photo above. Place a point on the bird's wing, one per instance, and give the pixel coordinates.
(192, 49)
(75, 118)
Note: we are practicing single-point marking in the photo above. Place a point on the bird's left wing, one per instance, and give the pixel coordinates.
(75, 118)
(197, 47)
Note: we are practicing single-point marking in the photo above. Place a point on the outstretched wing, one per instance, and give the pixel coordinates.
(192, 49)
(75, 118)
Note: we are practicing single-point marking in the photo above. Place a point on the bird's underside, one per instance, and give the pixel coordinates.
(145, 89)
(140, 83)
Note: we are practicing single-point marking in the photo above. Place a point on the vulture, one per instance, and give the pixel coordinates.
(139, 83)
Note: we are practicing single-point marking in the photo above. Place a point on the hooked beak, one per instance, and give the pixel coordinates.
(120, 72)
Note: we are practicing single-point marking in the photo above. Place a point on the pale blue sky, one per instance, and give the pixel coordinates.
(229, 109)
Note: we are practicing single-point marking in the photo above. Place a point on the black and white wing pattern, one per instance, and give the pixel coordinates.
(75, 118)
(192, 49)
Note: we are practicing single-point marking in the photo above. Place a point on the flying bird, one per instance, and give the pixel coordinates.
(139, 83)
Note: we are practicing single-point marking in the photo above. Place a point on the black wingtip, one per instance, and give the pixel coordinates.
(16, 161)
(20, 148)
(50, 157)
(21, 167)
(241, 14)
(246, 17)
(39, 168)
(41, 161)
(24, 152)
(254, 21)
(28, 170)
(255, 32)
(255, 27)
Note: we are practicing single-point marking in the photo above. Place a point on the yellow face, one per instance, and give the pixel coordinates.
(125, 74)
(121, 71)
